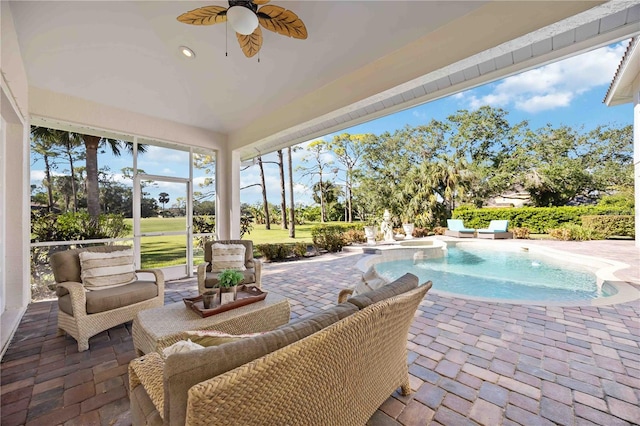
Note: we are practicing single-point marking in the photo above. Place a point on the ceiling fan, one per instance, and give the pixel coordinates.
(244, 17)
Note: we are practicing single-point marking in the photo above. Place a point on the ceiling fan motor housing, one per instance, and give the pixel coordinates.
(245, 3)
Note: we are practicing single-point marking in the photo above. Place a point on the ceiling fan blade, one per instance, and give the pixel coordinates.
(207, 15)
(281, 21)
(250, 44)
(260, 2)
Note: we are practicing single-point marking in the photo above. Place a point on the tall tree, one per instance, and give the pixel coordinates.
(163, 198)
(292, 210)
(283, 196)
(92, 143)
(265, 203)
(70, 142)
(43, 142)
(320, 166)
(348, 150)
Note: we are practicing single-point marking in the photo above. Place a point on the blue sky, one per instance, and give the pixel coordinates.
(567, 92)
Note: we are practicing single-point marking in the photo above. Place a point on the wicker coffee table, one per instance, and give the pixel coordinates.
(155, 329)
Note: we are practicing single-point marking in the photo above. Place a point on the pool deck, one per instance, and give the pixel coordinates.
(470, 362)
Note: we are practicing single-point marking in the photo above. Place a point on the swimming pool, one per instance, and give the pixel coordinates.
(485, 273)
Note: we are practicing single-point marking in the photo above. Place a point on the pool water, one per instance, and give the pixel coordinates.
(482, 272)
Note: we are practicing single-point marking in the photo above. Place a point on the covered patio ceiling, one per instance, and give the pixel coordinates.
(362, 60)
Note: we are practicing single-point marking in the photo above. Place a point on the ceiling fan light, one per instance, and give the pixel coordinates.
(242, 19)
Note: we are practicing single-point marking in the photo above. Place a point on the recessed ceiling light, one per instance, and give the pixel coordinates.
(187, 52)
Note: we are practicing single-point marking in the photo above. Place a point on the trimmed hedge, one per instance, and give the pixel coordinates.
(537, 219)
(282, 251)
(607, 225)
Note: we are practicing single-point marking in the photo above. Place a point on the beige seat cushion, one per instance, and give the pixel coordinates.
(403, 284)
(106, 270)
(112, 298)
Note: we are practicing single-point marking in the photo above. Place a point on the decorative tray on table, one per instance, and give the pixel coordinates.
(245, 295)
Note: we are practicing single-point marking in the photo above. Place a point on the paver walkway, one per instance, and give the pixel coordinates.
(470, 362)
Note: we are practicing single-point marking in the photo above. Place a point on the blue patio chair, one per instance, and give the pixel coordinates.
(456, 229)
(497, 229)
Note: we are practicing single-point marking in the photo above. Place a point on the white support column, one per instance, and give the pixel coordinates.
(15, 219)
(636, 156)
(227, 195)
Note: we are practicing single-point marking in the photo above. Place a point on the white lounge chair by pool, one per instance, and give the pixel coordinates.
(456, 229)
(497, 229)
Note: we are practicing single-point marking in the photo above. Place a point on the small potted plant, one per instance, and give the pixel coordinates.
(228, 281)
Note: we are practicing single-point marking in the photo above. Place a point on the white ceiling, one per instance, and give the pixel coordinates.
(125, 54)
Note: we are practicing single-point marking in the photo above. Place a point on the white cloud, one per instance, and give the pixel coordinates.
(541, 103)
(551, 86)
(37, 176)
(422, 115)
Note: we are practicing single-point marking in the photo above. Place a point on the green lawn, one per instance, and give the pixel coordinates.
(170, 250)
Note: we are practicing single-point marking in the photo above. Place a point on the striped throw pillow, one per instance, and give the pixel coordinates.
(106, 270)
(208, 338)
(227, 256)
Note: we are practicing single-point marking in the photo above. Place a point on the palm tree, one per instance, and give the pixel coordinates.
(163, 197)
(92, 143)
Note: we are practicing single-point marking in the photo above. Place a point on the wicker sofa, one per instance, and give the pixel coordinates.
(335, 367)
(84, 314)
(252, 275)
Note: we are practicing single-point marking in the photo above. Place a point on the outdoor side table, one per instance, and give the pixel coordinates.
(155, 329)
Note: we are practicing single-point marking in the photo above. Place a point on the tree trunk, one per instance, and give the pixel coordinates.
(265, 203)
(323, 214)
(47, 176)
(93, 193)
(292, 210)
(349, 197)
(73, 184)
(283, 195)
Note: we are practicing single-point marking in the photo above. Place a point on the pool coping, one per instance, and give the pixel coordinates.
(604, 269)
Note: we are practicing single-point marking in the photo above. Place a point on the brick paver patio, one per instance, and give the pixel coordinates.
(470, 362)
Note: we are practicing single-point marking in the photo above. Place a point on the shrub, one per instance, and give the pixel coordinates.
(439, 230)
(273, 251)
(328, 237)
(282, 251)
(571, 232)
(76, 226)
(563, 234)
(608, 226)
(299, 249)
(618, 200)
(521, 233)
(356, 236)
(537, 219)
(422, 232)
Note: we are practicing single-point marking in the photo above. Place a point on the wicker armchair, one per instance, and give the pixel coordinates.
(208, 279)
(83, 314)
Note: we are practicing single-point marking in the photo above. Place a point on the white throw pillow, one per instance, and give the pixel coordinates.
(181, 346)
(370, 281)
(106, 270)
(227, 256)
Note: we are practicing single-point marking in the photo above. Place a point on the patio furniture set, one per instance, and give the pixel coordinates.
(497, 229)
(267, 370)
